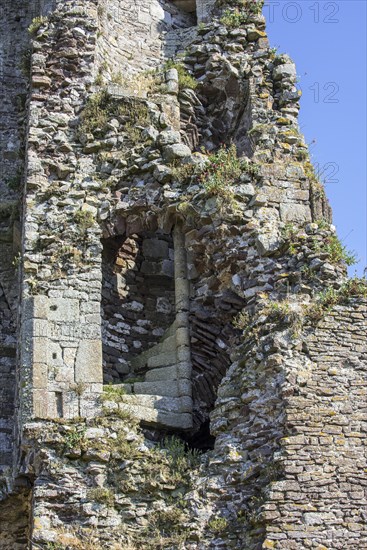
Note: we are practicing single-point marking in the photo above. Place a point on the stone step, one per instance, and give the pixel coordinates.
(158, 411)
(167, 388)
(166, 359)
(159, 402)
(168, 344)
(182, 370)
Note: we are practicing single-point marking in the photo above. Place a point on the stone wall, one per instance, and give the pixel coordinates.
(13, 98)
(15, 17)
(60, 321)
(321, 499)
(263, 347)
(138, 38)
(246, 89)
(287, 467)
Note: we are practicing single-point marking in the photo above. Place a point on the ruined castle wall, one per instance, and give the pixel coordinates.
(14, 55)
(290, 422)
(322, 496)
(287, 469)
(283, 392)
(137, 38)
(15, 17)
(13, 86)
(61, 362)
(8, 306)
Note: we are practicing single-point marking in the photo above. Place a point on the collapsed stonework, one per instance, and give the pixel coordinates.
(182, 352)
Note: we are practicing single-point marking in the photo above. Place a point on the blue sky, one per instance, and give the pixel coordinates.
(327, 41)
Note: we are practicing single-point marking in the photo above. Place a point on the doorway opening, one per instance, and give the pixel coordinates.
(138, 298)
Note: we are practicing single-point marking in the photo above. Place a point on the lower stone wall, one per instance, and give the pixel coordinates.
(61, 374)
(287, 470)
(323, 495)
(290, 426)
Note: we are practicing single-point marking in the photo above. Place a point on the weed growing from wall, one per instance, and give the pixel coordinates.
(36, 24)
(294, 238)
(234, 18)
(84, 220)
(113, 393)
(95, 115)
(74, 438)
(224, 171)
(324, 302)
(338, 252)
(218, 525)
(101, 107)
(102, 495)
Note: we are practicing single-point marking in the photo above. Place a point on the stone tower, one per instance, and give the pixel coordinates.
(182, 352)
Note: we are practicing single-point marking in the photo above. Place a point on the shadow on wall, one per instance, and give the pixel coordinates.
(180, 14)
(213, 336)
(138, 302)
(227, 105)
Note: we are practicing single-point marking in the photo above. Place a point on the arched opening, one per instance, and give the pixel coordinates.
(138, 302)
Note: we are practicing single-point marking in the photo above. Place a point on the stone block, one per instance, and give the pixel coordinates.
(40, 376)
(40, 348)
(40, 327)
(287, 70)
(88, 362)
(156, 11)
(183, 354)
(163, 374)
(64, 376)
(183, 337)
(68, 356)
(70, 405)
(176, 151)
(179, 421)
(164, 305)
(91, 331)
(165, 388)
(168, 345)
(54, 354)
(40, 403)
(299, 213)
(162, 360)
(144, 17)
(63, 309)
(169, 137)
(162, 403)
(139, 363)
(166, 268)
(171, 113)
(267, 243)
(160, 418)
(181, 294)
(184, 387)
(162, 173)
(40, 307)
(169, 373)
